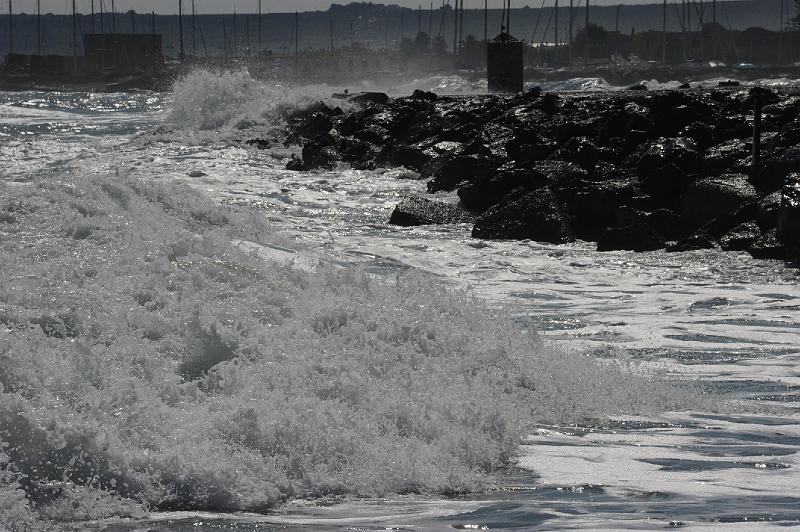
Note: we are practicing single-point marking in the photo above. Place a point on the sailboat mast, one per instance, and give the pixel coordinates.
(664, 35)
(92, 16)
(38, 27)
(555, 29)
(180, 25)
(74, 38)
(259, 27)
(455, 30)
(586, 39)
(508, 24)
(113, 17)
(485, 20)
(194, 30)
(10, 28)
(569, 43)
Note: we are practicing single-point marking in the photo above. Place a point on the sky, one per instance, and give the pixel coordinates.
(244, 6)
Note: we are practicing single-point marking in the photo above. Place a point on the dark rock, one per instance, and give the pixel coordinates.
(450, 172)
(680, 151)
(789, 217)
(358, 153)
(702, 134)
(480, 195)
(316, 156)
(261, 144)
(726, 157)
(693, 243)
(316, 125)
(369, 98)
(373, 133)
(593, 206)
(741, 237)
(631, 238)
(666, 184)
(713, 197)
(768, 208)
(527, 153)
(536, 215)
(726, 222)
(424, 95)
(767, 246)
(666, 223)
(733, 127)
(776, 169)
(415, 211)
(401, 155)
(637, 87)
(728, 83)
(295, 163)
(684, 86)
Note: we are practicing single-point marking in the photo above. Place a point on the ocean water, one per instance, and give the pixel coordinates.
(194, 338)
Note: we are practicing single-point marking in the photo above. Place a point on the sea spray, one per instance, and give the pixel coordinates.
(207, 100)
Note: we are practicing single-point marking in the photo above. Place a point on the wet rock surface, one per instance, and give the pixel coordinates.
(631, 170)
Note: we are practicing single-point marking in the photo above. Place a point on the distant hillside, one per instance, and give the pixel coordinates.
(372, 25)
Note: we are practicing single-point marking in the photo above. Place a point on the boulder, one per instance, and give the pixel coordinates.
(369, 98)
(413, 211)
(680, 151)
(768, 208)
(480, 195)
(665, 185)
(767, 246)
(317, 156)
(741, 237)
(713, 197)
(402, 155)
(776, 168)
(449, 172)
(693, 243)
(789, 217)
(536, 215)
(638, 237)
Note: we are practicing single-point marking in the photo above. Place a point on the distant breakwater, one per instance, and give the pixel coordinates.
(632, 170)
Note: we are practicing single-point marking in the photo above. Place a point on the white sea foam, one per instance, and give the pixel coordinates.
(147, 359)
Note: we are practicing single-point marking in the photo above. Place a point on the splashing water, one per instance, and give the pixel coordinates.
(147, 360)
(206, 100)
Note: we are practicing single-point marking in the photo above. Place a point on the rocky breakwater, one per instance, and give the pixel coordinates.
(630, 170)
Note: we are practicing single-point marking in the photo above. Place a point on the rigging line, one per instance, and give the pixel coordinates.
(546, 28)
(538, 20)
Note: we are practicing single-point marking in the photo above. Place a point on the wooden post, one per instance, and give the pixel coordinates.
(755, 168)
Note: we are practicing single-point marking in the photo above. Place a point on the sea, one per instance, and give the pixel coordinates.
(668, 391)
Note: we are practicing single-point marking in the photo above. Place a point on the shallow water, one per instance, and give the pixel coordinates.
(723, 318)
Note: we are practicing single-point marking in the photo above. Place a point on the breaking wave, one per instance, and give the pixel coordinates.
(206, 100)
(147, 362)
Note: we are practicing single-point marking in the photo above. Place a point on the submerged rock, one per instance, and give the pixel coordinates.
(413, 211)
(631, 238)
